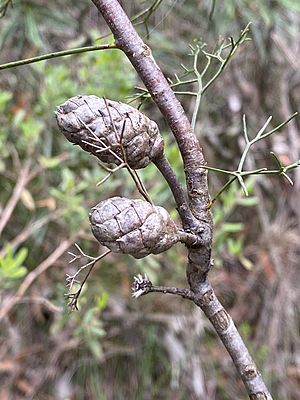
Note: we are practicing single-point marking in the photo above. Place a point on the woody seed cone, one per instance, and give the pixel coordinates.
(112, 131)
(133, 227)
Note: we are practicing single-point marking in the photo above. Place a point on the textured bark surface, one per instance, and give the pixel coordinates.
(141, 58)
(133, 227)
(199, 257)
(110, 130)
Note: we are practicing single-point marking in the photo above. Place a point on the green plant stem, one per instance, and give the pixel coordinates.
(199, 76)
(212, 10)
(186, 93)
(224, 187)
(239, 175)
(234, 47)
(279, 126)
(57, 54)
(260, 135)
(148, 12)
(245, 130)
(151, 10)
(179, 83)
(223, 171)
(199, 92)
(205, 69)
(255, 172)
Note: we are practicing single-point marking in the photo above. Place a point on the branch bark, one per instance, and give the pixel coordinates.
(179, 193)
(199, 257)
(141, 58)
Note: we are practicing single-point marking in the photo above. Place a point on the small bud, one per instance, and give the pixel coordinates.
(141, 285)
(112, 131)
(133, 227)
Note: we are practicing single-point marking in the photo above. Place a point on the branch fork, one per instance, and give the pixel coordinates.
(198, 198)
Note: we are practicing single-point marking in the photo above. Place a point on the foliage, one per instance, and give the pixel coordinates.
(230, 235)
(11, 267)
(112, 338)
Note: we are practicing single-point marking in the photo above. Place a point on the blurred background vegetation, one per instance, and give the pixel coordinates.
(158, 347)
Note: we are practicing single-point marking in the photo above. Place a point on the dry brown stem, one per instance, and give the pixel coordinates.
(32, 276)
(22, 181)
(30, 229)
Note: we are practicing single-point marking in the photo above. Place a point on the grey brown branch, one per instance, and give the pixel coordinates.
(141, 58)
(142, 285)
(117, 133)
(199, 257)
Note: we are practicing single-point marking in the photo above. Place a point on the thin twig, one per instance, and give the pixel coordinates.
(25, 176)
(71, 279)
(239, 174)
(147, 12)
(134, 175)
(199, 264)
(30, 229)
(184, 293)
(41, 300)
(21, 183)
(142, 285)
(140, 56)
(57, 54)
(33, 275)
(200, 88)
(234, 47)
(73, 304)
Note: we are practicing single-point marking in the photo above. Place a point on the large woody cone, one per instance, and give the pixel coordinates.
(114, 132)
(133, 227)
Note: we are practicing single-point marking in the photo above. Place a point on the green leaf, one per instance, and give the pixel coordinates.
(31, 129)
(11, 267)
(21, 255)
(235, 246)
(102, 301)
(95, 348)
(232, 227)
(49, 162)
(247, 201)
(18, 273)
(97, 331)
(68, 179)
